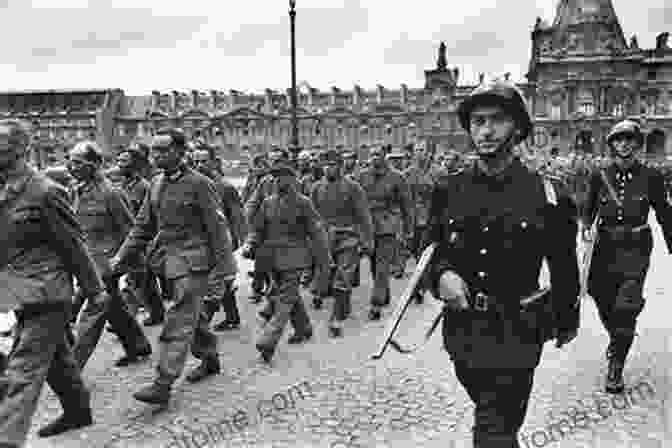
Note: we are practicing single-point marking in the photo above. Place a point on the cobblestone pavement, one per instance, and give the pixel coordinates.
(327, 393)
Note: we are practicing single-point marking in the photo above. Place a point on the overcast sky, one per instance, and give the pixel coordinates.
(142, 45)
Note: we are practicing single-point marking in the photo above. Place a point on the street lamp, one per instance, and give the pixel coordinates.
(295, 125)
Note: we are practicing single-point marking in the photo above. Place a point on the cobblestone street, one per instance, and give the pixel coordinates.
(327, 393)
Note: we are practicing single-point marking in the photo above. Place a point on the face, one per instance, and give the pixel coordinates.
(332, 170)
(125, 162)
(79, 168)
(377, 158)
(422, 153)
(625, 145)
(165, 154)
(492, 130)
(202, 162)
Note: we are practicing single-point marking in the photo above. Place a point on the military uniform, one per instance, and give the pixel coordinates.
(41, 248)
(386, 190)
(286, 235)
(106, 220)
(182, 222)
(142, 284)
(345, 210)
(264, 187)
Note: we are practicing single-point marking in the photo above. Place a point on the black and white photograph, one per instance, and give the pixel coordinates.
(335, 224)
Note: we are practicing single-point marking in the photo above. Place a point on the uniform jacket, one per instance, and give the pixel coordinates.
(421, 185)
(389, 200)
(287, 234)
(188, 231)
(233, 208)
(262, 189)
(41, 243)
(135, 188)
(307, 181)
(103, 213)
(344, 208)
(494, 232)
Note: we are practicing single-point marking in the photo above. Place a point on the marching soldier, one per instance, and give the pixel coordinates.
(132, 162)
(286, 236)
(623, 195)
(304, 170)
(343, 206)
(396, 159)
(421, 185)
(102, 212)
(205, 162)
(386, 190)
(41, 249)
(486, 216)
(190, 246)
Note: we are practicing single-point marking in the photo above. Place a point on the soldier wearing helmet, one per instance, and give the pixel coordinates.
(43, 242)
(391, 209)
(620, 198)
(496, 318)
(183, 223)
(103, 212)
(344, 208)
(132, 162)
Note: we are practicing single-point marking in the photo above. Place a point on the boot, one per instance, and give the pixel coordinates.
(300, 338)
(317, 303)
(208, 367)
(66, 422)
(614, 382)
(155, 393)
(266, 354)
(153, 320)
(335, 332)
(374, 314)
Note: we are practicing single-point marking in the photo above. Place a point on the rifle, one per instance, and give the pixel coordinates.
(404, 301)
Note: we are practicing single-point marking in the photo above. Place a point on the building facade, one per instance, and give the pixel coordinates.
(583, 77)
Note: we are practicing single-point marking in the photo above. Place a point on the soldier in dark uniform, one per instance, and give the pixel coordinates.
(624, 242)
(396, 158)
(41, 249)
(105, 218)
(132, 162)
(483, 218)
(286, 236)
(182, 219)
(386, 190)
(343, 206)
(351, 171)
(205, 162)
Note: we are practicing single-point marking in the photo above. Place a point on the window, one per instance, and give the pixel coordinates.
(587, 109)
(556, 112)
(619, 110)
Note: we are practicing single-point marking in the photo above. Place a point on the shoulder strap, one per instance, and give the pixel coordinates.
(610, 188)
(549, 189)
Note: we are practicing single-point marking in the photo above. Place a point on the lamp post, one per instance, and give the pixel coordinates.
(295, 125)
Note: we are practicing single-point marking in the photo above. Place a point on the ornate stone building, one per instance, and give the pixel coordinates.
(584, 76)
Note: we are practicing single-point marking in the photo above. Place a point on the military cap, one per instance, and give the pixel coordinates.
(497, 93)
(330, 156)
(88, 152)
(170, 136)
(304, 155)
(17, 132)
(626, 127)
(138, 149)
(58, 174)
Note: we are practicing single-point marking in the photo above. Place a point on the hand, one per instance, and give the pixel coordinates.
(115, 265)
(587, 235)
(564, 337)
(453, 290)
(247, 251)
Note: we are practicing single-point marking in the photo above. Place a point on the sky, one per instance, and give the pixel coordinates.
(145, 45)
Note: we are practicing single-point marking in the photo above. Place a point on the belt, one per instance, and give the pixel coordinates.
(624, 229)
(483, 302)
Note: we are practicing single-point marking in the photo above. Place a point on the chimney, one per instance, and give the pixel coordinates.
(214, 98)
(456, 75)
(194, 99)
(233, 97)
(268, 99)
(174, 100)
(334, 92)
(156, 100)
(356, 95)
(380, 90)
(288, 96)
(404, 94)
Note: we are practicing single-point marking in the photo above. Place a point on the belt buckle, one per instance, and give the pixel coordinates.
(481, 302)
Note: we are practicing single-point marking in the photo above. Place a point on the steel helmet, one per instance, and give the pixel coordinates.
(628, 126)
(498, 93)
(304, 155)
(88, 152)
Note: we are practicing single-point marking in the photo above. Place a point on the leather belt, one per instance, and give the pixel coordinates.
(624, 229)
(483, 302)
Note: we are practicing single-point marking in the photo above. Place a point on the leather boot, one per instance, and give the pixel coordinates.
(300, 338)
(155, 393)
(614, 381)
(206, 368)
(76, 414)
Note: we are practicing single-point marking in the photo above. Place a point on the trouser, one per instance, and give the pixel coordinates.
(143, 286)
(501, 397)
(288, 307)
(228, 305)
(260, 282)
(347, 263)
(185, 327)
(92, 323)
(40, 352)
(384, 248)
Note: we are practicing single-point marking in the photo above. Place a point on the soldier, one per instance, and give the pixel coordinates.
(343, 206)
(486, 216)
(349, 163)
(42, 241)
(304, 167)
(386, 190)
(132, 162)
(205, 162)
(421, 184)
(396, 159)
(190, 246)
(623, 195)
(105, 219)
(284, 230)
